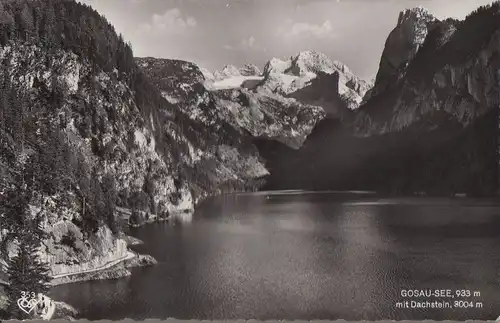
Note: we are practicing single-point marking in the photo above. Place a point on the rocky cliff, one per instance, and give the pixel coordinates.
(401, 46)
(250, 70)
(99, 124)
(433, 69)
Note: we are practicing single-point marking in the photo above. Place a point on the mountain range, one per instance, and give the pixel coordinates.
(428, 124)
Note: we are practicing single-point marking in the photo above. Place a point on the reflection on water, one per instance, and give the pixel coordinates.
(305, 256)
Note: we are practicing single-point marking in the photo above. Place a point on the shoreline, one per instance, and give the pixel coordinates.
(106, 266)
(128, 261)
(184, 215)
(115, 269)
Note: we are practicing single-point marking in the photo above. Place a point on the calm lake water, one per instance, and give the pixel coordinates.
(307, 256)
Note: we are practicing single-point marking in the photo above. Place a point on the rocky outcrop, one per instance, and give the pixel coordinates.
(447, 76)
(79, 255)
(401, 46)
(140, 261)
(209, 76)
(64, 311)
(4, 301)
(177, 77)
(250, 70)
(131, 241)
(267, 116)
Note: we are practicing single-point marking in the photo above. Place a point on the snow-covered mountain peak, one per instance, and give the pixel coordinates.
(227, 71)
(276, 65)
(303, 70)
(302, 64)
(310, 55)
(311, 62)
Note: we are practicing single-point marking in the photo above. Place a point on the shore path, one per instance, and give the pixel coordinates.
(129, 255)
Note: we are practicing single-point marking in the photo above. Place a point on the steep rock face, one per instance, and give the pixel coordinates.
(250, 70)
(323, 91)
(221, 158)
(450, 75)
(178, 77)
(209, 76)
(98, 251)
(247, 114)
(124, 147)
(401, 46)
(276, 65)
(288, 76)
(268, 116)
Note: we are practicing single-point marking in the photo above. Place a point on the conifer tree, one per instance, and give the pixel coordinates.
(26, 24)
(26, 272)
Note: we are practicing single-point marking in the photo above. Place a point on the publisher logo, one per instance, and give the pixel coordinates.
(27, 302)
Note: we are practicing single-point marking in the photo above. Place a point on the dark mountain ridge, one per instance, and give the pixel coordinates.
(454, 69)
(458, 160)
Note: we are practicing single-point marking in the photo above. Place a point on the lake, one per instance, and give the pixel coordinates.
(299, 255)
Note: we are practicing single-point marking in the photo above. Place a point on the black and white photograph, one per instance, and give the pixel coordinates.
(250, 159)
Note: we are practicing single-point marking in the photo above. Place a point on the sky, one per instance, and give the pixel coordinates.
(215, 33)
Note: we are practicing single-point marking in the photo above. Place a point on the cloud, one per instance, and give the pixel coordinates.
(173, 21)
(245, 44)
(303, 29)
